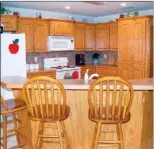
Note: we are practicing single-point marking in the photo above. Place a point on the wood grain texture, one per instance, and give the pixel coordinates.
(137, 132)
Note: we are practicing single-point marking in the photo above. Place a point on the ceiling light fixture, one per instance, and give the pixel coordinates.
(123, 4)
(67, 7)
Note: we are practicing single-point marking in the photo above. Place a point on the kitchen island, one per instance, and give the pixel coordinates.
(137, 132)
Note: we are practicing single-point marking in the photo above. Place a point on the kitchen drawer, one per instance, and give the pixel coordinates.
(112, 71)
(101, 71)
(50, 74)
(91, 71)
(34, 75)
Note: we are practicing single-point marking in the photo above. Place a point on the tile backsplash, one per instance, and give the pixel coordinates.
(104, 58)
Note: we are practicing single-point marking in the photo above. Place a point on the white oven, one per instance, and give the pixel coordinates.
(60, 43)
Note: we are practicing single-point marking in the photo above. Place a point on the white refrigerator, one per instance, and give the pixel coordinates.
(13, 58)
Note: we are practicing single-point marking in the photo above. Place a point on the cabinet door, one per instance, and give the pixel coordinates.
(59, 28)
(25, 26)
(79, 36)
(102, 37)
(112, 72)
(92, 70)
(113, 37)
(125, 41)
(34, 75)
(40, 35)
(124, 71)
(9, 22)
(90, 37)
(138, 72)
(68, 28)
(139, 42)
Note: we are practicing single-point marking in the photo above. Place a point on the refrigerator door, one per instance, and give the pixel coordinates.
(13, 58)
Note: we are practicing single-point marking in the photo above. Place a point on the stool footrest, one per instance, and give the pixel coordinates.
(109, 142)
(17, 146)
(47, 136)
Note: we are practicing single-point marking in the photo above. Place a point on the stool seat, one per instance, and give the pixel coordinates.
(103, 117)
(13, 104)
(50, 116)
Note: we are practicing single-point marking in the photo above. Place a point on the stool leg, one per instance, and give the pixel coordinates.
(36, 134)
(97, 135)
(121, 136)
(25, 129)
(41, 139)
(66, 137)
(5, 132)
(60, 136)
(16, 126)
(94, 137)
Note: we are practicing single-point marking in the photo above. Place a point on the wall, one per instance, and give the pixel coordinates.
(49, 14)
(109, 18)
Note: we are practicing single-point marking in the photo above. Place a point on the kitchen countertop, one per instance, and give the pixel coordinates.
(16, 82)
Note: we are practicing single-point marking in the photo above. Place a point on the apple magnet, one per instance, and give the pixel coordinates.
(14, 47)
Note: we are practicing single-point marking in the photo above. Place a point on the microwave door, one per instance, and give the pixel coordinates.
(59, 45)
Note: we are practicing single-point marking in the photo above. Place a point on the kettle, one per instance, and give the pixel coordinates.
(87, 78)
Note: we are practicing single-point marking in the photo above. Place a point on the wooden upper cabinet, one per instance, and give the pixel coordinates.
(102, 37)
(90, 37)
(61, 28)
(9, 22)
(138, 41)
(79, 36)
(114, 36)
(125, 41)
(40, 35)
(25, 26)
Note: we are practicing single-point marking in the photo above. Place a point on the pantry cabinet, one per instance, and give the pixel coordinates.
(135, 46)
(36, 32)
(25, 26)
(107, 36)
(61, 28)
(9, 22)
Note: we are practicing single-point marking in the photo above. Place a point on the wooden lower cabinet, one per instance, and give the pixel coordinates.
(101, 71)
(84, 68)
(51, 73)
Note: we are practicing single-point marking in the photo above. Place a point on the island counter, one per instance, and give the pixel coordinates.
(137, 132)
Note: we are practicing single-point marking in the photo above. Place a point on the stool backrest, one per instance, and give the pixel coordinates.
(45, 97)
(112, 96)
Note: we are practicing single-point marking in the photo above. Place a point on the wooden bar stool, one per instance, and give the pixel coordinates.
(110, 100)
(12, 108)
(45, 98)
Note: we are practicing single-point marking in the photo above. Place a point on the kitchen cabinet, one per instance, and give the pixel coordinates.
(50, 74)
(107, 36)
(25, 25)
(101, 71)
(89, 37)
(36, 32)
(102, 37)
(135, 46)
(79, 36)
(61, 28)
(9, 22)
(41, 35)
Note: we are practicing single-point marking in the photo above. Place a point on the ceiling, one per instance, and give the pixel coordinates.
(83, 8)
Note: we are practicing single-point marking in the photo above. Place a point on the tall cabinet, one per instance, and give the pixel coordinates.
(135, 47)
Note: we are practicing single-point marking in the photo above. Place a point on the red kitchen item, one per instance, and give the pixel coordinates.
(75, 75)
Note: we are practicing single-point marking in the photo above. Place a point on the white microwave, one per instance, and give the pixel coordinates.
(60, 43)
